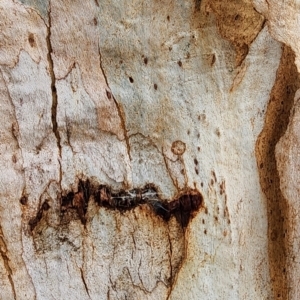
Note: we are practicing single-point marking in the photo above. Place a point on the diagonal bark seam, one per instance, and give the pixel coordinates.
(3, 251)
(84, 283)
(15, 126)
(119, 109)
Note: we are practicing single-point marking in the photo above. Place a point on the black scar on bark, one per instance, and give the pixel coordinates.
(34, 221)
(183, 207)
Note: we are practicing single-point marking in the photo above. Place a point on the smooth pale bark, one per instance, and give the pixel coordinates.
(125, 94)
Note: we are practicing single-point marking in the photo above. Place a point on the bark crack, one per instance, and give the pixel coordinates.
(84, 283)
(170, 255)
(15, 126)
(119, 109)
(3, 251)
(174, 180)
(53, 88)
(3, 248)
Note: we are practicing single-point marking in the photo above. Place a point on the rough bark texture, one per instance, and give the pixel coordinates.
(137, 150)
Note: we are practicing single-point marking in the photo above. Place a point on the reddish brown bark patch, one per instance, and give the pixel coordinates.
(238, 22)
(276, 121)
(74, 205)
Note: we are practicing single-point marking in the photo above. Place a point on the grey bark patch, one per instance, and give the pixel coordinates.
(40, 5)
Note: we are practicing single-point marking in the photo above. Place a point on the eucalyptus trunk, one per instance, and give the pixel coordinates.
(138, 149)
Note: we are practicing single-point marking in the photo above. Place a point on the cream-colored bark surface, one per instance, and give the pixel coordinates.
(283, 21)
(147, 101)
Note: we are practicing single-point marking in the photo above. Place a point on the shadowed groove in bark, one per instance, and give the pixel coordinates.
(53, 85)
(118, 106)
(84, 283)
(276, 121)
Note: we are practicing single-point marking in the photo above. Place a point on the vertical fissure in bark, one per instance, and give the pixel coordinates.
(276, 121)
(53, 89)
(84, 283)
(53, 84)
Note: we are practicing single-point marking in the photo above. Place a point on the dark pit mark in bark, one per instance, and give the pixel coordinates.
(213, 60)
(23, 200)
(131, 79)
(31, 40)
(214, 175)
(108, 94)
(197, 5)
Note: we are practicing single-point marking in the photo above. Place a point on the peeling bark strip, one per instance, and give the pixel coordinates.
(182, 207)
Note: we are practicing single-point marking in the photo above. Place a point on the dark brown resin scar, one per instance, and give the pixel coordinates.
(182, 207)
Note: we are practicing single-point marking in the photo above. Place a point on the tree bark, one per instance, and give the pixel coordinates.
(138, 149)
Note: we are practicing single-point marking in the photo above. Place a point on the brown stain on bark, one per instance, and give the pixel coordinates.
(238, 22)
(75, 203)
(138, 206)
(6, 262)
(276, 121)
